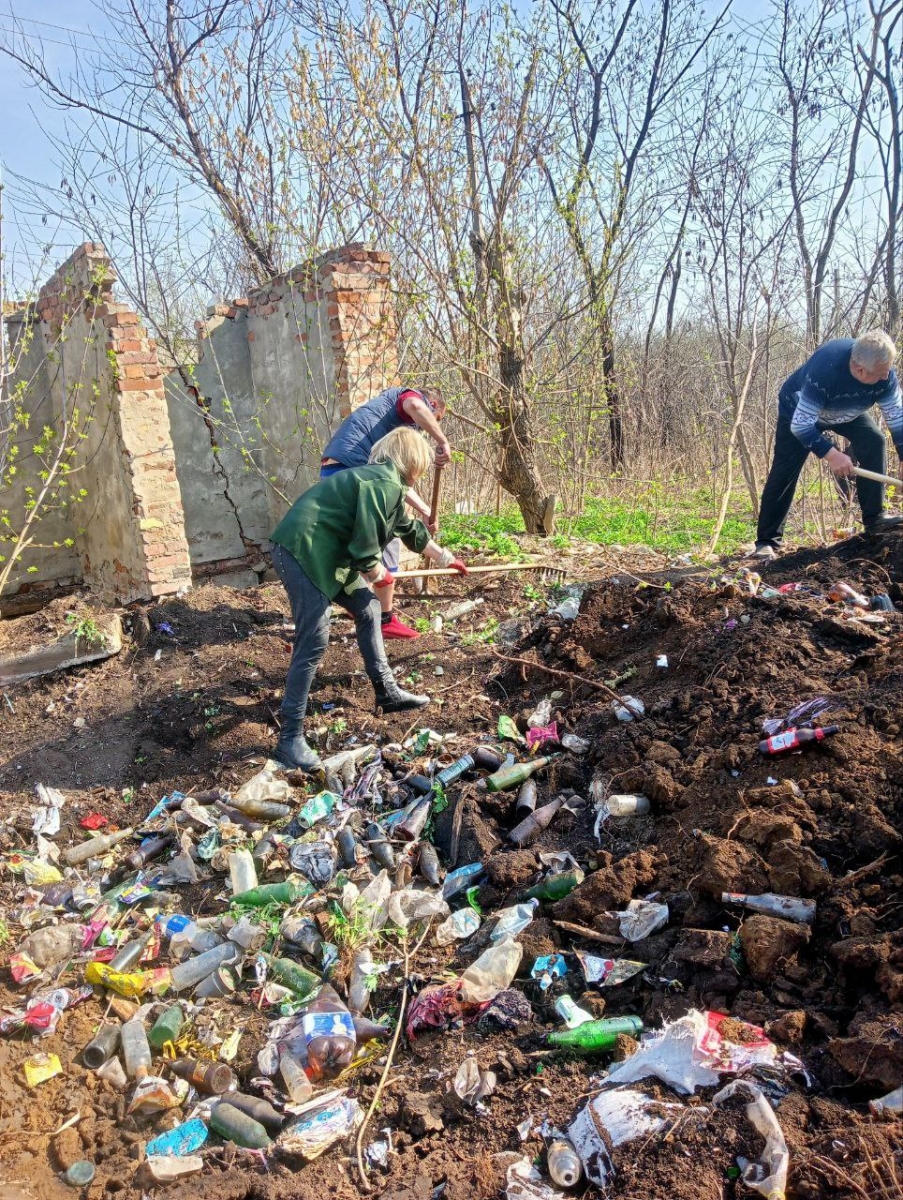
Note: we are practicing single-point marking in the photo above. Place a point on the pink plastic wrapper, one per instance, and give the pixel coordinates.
(542, 734)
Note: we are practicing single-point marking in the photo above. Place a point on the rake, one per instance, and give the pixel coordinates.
(891, 480)
(547, 573)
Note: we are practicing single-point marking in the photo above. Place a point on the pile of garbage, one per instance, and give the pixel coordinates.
(253, 964)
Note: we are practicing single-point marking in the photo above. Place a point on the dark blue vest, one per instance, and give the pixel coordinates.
(358, 434)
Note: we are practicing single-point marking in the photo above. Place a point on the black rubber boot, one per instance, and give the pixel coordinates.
(883, 523)
(293, 751)
(391, 698)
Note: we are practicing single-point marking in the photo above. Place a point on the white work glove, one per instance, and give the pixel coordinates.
(438, 555)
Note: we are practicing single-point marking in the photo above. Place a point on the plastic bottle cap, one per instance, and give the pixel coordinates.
(80, 1174)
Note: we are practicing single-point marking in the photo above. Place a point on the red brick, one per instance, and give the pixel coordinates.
(140, 385)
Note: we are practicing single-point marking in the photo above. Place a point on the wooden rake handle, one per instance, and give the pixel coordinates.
(878, 478)
(434, 503)
(488, 570)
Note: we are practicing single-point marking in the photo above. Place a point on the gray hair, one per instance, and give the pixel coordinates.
(874, 350)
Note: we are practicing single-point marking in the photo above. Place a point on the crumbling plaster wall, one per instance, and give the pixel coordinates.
(276, 372)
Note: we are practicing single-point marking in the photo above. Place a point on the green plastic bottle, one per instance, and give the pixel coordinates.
(592, 1036)
(514, 776)
(167, 1026)
(273, 893)
(556, 887)
(292, 975)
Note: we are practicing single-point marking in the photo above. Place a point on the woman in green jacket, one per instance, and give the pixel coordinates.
(327, 549)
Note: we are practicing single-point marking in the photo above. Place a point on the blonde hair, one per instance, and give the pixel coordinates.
(873, 350)
(408, 450)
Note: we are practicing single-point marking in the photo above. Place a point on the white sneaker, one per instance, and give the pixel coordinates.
(764, 553)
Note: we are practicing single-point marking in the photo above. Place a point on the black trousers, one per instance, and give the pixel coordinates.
(869, 448)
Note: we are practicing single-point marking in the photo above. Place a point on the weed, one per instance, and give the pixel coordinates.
(484, 636)
(4, 932)
(128, 795)
(85, 629)
(338, 726)
(422, 624)
(531, 592)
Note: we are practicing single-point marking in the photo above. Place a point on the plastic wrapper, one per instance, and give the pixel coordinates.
(165, 1168)
(320, 1128)
(153, 1094)
(181, 1141)
(263, 786)
(315, 860)
(642, 918)
(508, 731)
(524, 1182)
(472, 1083)
(769, 1175)
(541, 734)
(569, 607)
(40, 1068)
(608, 972)
(628, 708)
(43, 1011)
(459, 925)
(547, 969)
(407, 906)
(693, 1052)
(608, 1121)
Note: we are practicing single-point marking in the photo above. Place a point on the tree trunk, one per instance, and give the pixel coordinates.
(612, 392)
(519, 471)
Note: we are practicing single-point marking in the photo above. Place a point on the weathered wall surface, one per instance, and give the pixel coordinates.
(105, 389)
(276, 372)
(186, 476)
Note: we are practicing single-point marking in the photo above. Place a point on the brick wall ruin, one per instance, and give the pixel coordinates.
(182, 474)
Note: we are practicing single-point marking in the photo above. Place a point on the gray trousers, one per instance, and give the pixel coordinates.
(310, 610)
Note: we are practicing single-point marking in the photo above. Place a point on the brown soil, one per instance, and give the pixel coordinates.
(198, 714)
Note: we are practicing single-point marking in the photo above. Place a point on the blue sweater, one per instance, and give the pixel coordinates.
(823, 393)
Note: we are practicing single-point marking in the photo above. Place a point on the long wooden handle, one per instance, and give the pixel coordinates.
(434, 503)
(889, 479)
(431, 571)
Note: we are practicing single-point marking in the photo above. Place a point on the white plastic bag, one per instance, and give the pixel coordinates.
(612, 1118)
(770, 1175)
(524, 1182)
(642, 918)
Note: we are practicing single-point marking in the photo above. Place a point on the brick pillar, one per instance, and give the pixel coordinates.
(354, 282)
(134, 545)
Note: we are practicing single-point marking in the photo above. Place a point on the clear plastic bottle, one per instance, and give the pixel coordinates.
(564, 1162)
(892, 1103)
(242, 872)
(297, 1081)
(136, 1049)
(362, 967)
(492, 972)
(189, 973)
(329, 1034)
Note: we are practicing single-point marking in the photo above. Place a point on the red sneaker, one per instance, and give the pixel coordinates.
(397, 629)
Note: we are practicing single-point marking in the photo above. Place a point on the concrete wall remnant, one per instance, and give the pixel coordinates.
(179, 474)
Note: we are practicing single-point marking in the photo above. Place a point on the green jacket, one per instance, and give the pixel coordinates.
(341, 525)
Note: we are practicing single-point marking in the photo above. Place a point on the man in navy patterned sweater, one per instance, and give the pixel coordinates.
(834, 391)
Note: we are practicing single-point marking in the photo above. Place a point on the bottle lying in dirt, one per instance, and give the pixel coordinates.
(514, 776)
(297, 1081)
(136, 1050)
(131, 952)
(101, 1047)
(212, 1079)
(792, 739)
(329, 1034)
(526, 799)
(492, 972)
(193, 970)
(166, 1027)
(843, 593)
(535, 822)
(556, 887)
(891, 1103)
(455, 770)
(258, 1109)
(595, 1035)
(291, 974)
(238, 1127)
(791, 908)
(273, 893)
(564, 1162)
(95, 847)
(414, 823)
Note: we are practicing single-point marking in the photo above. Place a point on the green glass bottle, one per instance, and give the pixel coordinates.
(236, 1126)
(556, 887)
(514, 776)
(273, 893)
(167, 1027)
(592, 1036)
(292, 975)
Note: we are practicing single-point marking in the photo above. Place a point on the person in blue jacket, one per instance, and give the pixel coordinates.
(350, 446)
(833, 391)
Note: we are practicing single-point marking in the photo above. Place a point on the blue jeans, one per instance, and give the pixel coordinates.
(310, 610)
